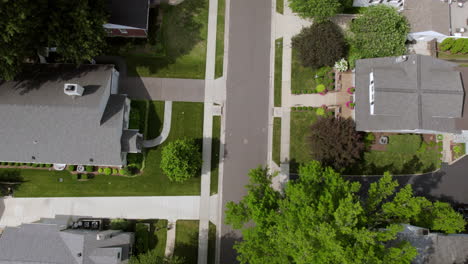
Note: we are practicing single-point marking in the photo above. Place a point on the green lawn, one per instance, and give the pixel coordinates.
(150, 235)
(448, 56)
(186, 244)
(156, 117)
(306, 79)
(277, 140)
(187, 122)
(299, 148)
(405, 154)
(211, 243)
(278, 70)
(215, 154)
(158, 239)
(176, 49)
(280, 6)
(220, 38)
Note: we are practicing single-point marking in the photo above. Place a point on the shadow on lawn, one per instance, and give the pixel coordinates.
(168, 39)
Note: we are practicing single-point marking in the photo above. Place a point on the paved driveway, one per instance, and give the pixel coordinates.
(14, 211)
(246, 104)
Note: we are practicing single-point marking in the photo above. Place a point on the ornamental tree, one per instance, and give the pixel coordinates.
(379, 32)
(335, 142)
(321, 44)
(319, 218)
(181, 160)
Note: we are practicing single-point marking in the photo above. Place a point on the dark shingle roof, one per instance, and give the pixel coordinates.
(129, 13)
(428, 15)
(421, 93)
(39, 120)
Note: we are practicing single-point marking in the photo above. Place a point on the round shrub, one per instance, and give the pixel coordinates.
(457, 149)
(181, 160)
(48, 165)
(321, 44)
(35, 165)
(17, 164)
(89, 168)
(115, 171)
(320, 111)
(84, 176)
(107, 171)
(123, 171)
(71, 167)
(293, 108)
(320, 88)
(447, 44)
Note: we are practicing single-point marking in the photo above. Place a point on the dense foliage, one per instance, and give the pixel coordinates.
(319, 10)
(335, 142)
(74, 27)
(453, 45)
(151, 257)
(181, 160)
(321, 44)
(379, 32)
(321, 219)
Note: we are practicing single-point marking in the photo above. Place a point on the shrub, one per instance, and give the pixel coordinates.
(17, 164)
(321, 44)
(123, 171)
(3, 163)
(100, 170)
(119, 224)
(447, 44)
(458, 46)
(341, 65)
(310, 108)
(293, 108)
(48, 165)
(319, 10)
(71, 167)
(89, 168)
(320, 111)
(35, 165)
(181, 160)
(84, 176)
(457, 149)
(115, 171)
(75, 177)
(320, 88)
(107, 171)
(310, 91)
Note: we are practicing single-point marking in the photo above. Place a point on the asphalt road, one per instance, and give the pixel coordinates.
(246, 104)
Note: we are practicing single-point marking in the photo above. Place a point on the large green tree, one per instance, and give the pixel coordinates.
(321, 219)
(181, 160)
(380, 31)
(74, 27)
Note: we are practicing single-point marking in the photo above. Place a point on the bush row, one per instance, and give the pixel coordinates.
(455, 45)
(35, 165)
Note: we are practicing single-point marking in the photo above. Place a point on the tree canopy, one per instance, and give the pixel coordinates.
(319, 10)
(380, 31)
(321, 44)
(74, 27)
(320, 218)
(152, 257)
(181, 160)
(335, 142)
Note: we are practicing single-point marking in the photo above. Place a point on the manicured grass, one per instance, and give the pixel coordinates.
(280, 6)
(187, 122)
(215, 154)
(211, 244)
(278, 70)
(302, 78)
(150, 235)
(277, 140)
(186, 244)
(448, 56)
(158, 238)
(405, 154)
(220, 38)
(175, 50)
(300, 129)
(156, 119)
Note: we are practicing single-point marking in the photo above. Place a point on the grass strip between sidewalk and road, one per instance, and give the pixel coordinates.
(215, 154)
(186, 242)
(220, 24)
(277, 140)
(278, 71)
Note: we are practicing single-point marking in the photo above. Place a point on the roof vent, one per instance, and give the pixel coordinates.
(79, 254)
(401, 59)
(73, 89)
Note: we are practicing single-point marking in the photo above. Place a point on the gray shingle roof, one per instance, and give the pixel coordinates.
(131, 141)
(46, 244)
(39, 120)
(129, 13)
(422, 93)
(428, 15)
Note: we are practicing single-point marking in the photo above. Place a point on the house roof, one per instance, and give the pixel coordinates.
(131, 141)
(45, 243)
(428, 15)
(40, 123)
(421, 93)
(129, 13)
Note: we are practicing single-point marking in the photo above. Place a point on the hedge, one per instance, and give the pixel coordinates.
(107, 171)
(115, 171)
(455, 45)
(71, 167)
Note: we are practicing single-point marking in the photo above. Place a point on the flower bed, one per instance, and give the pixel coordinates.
(458, 150)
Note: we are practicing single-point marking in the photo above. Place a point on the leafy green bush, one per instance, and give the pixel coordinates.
(119, 224)
(71, 167)
(447, 44)
(74, 176)
(84, 176)
(458, 46)
(141, 238)
(135, 159)
(35, 165)
(89, 168)
(123, 171)
(319, 10)
(17, 164)
(107, 171)
(293, 108)
(181, 160)
(115, 171)
(320, 111)
(320, 88)
(457, 149)
(100, 170)
(48, 165)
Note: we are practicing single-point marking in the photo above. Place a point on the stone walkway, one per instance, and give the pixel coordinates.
(150, 143)
(170, 239)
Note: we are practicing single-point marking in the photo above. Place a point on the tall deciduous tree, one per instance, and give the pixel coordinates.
(181, 160)
(321, 44)
(320, 219)
(379, 32)
(335, 142)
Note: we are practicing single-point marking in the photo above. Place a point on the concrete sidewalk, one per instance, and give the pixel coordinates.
(163, 89)
(15, 211)
(151, 143)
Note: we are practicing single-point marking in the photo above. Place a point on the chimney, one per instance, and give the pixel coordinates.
(73, 89)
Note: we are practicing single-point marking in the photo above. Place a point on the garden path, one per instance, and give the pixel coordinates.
(170, 238)
(150, 143)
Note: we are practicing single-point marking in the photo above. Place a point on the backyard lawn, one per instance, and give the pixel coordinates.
(186, 244)
(306, 79)
(215, 154)
(187, 122)
(277, 140)
(177, 49)
(405, 154)
(220, 38)
(278, 71)
(299, 148)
